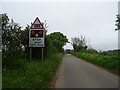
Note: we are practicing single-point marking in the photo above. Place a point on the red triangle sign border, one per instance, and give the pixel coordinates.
(34, 23)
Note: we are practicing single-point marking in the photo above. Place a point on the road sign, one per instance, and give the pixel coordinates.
(36, 34)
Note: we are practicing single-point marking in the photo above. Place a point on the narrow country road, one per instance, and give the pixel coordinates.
(76, 73)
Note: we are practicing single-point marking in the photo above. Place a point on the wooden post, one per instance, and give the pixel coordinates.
(30, 54)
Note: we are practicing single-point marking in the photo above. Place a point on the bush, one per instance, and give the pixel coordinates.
(49, 48)
(9, 57)
(92, 51)
(34, 74)
(110, 62)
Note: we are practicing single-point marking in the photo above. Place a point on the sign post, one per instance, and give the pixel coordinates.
(36, 36)
(30, 54)
(42, 53)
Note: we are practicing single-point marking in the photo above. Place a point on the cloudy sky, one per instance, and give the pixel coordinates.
(94, 20)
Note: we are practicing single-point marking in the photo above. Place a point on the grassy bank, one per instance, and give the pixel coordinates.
(109, 62)
(34, 74)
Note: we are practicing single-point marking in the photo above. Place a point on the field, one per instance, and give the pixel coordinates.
(106, 61)
(34, 74)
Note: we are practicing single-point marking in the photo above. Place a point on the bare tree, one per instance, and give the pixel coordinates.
(118, 23)
(45, 25)
(79, 43)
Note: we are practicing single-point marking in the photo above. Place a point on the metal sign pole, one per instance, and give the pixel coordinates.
(30, 54)
(42, 53)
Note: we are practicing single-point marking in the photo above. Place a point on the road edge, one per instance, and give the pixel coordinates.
(53, 82)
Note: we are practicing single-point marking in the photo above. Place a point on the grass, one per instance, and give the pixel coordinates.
(34, 74)
(109, 62)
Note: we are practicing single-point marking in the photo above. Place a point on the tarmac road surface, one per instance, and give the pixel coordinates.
(77, 73)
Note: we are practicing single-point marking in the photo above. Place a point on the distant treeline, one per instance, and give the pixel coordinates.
(111, 52)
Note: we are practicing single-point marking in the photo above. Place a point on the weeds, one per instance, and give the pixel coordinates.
(110, 62)
(34, 74)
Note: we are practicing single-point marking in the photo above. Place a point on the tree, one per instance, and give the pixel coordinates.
(11, 33)
(5, 29)
(45, 25)
(79, 43)
(11, 40)
(118, 23)
(25, 40)
(58, 40)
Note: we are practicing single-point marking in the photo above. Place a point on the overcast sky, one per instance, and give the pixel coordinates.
(94, 20)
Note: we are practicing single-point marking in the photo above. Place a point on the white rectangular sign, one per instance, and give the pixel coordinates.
(36, 37)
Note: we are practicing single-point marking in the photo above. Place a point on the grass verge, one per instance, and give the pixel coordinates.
(34, 74)
(109, 62)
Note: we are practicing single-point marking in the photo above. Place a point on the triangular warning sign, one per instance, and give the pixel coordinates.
(37, 24)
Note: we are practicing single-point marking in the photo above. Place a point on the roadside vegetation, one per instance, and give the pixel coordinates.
(34, 74)
(109, 62)
(107, 59)
(17, 70)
